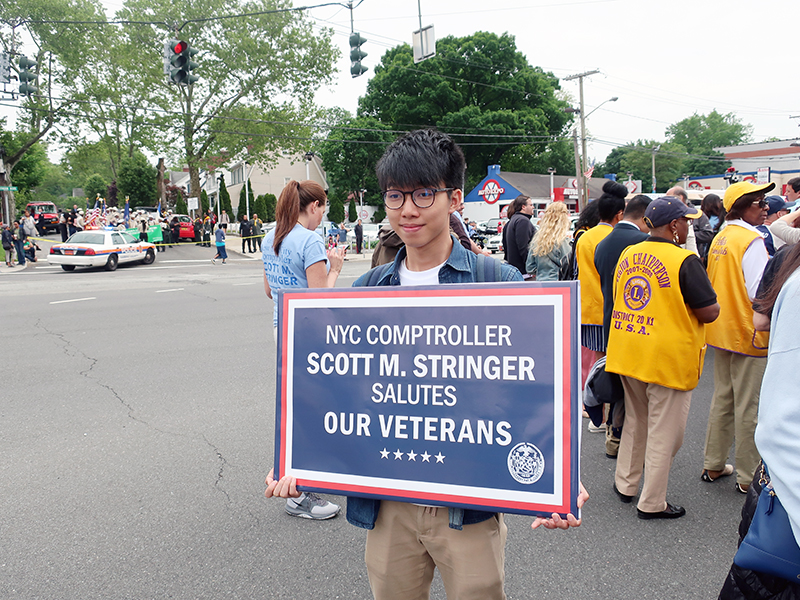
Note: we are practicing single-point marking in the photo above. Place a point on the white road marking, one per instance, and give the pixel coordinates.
(74, 300)
(253, 283)
(172, 290)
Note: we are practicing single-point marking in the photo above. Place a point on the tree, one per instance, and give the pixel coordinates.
(137, 179)
(700, 134)
(204, 202)
(175, 198)
(270, 202)
(224, 197)
(479, 89)
(260, 207)
(242, 209)
(352, 211)
(350, 153)
(638, 158)
(111, 194)
(336, 210)
(257, 76)
(95, 184)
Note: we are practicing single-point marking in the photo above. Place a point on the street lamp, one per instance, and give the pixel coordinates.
(655, 149)
(552, 172)
(585, 166)
(309, 156)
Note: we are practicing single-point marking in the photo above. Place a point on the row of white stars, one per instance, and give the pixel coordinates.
(398, 455)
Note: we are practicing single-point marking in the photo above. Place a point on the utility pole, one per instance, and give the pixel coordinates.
(578, 173)
(584, 197)
(655, 149)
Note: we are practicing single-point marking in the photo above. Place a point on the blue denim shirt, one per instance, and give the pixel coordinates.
(460, 267)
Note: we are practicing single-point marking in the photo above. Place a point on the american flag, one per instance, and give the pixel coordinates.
(590, 170)
(91, 218)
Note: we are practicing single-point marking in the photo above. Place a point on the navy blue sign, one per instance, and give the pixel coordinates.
(458, 395)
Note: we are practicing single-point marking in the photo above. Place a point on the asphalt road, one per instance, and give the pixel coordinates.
(137, 429)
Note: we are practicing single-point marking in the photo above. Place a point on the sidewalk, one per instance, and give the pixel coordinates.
(4, 270)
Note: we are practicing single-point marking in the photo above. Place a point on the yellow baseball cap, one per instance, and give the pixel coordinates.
(737, 190)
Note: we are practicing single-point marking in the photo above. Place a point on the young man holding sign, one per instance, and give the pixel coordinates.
(422, 175)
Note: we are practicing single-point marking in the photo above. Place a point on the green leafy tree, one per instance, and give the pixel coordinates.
(270, 202)
(180, 206)
(669, 159)
(260, 207)
(224, 197)
(380, 214)
(112, 194)
(84, 159)
(478, 88)
(350, 153)
(700, 134)
(256, 76)
(95, 184)
(137, 179)
(241, 211)
(204, 202)
(336, 210)
(175, 197)
(352, 211)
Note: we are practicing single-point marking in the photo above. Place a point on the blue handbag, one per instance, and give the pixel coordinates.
(769, 546)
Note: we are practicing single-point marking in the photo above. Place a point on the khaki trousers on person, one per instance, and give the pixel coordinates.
(734, 413)
(409, 541)
(655, 421)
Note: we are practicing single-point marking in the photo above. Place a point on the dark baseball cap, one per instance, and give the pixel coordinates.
(777, 204)
(666, 209)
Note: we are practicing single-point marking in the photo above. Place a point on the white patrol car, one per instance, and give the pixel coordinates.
(98, 247)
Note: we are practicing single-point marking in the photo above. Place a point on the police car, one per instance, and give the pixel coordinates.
(98, 247)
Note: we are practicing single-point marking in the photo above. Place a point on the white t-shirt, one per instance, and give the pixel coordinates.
(427, 277)
(299, 250)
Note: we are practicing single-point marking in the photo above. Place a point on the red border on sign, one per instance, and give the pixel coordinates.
(398, 292)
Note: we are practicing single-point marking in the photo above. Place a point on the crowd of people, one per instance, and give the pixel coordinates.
(661, 281)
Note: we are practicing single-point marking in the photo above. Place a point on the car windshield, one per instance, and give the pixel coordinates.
(87, 237)
(129, 239)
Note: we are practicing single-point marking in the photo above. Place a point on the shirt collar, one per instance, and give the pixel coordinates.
(743, 223)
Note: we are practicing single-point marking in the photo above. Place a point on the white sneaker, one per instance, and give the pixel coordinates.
(311, 506)
(596, 428)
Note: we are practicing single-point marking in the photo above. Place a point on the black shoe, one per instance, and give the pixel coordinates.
(612, 456)
(624, 497)
(671, 512)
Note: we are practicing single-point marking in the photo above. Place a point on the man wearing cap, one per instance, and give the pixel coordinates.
(662, 299)
(736, 262)
(776, 208)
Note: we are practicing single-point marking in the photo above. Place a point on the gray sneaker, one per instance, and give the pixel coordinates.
(311, 506)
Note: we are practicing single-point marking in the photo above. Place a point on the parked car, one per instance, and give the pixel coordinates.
(187, 227)
(98, 247)
(370, 231)
(494, 243)
(493, 226)
(48, 210)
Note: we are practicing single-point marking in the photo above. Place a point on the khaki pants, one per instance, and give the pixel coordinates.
(734, 413)
(655, 421)
(409, 541)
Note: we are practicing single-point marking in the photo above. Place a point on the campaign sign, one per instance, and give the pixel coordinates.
(456, 395)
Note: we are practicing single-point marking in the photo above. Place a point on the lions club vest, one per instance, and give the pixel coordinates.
(591, 293)
(654, 336)
(733, 330)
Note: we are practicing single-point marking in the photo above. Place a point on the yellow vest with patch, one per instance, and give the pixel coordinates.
(655, 337)
(591, 293)
(733, 330)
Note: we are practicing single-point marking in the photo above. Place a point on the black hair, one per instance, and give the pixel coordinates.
(422, 158)
(612, 201)
(636, 206)
(711, 205)
(589, 217)
(794, 183)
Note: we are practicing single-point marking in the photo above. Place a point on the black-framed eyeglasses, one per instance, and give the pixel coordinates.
(422, 197)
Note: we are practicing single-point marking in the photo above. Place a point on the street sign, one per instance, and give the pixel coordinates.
(8, 188)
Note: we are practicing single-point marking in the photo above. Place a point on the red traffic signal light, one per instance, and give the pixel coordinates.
(178, 46)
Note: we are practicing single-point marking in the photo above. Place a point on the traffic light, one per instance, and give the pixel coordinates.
(27, 80)
(356, 54)
(5, 68)
(178, 63)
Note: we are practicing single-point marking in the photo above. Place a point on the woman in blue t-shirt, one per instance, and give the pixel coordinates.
(295, 257)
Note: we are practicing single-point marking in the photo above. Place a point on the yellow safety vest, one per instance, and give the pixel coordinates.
(591, 293)
(655, 337)
(733, 330)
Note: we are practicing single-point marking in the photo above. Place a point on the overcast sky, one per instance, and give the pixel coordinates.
(665, 60)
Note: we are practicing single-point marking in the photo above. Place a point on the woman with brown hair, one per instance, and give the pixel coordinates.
(294, 257)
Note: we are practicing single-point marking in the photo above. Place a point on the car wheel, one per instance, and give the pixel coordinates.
(113, 261)
(68, 267)
(149, 257)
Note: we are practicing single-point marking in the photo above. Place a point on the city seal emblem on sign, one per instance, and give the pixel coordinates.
(525, 463)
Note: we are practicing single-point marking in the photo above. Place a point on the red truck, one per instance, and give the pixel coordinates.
(48, 212)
